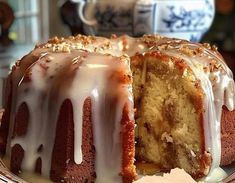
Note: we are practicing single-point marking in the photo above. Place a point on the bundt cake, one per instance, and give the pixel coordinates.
(92, 109)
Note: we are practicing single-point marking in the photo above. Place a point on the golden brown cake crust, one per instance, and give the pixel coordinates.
(63, 166)
(128, 146)
(227, 136)
(4, 127)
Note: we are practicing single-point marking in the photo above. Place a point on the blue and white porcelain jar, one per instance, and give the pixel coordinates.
(186, 19)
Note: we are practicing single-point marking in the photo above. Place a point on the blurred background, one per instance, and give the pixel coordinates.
(23, 23)
(222, 31)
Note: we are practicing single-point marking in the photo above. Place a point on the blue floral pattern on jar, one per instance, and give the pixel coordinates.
(185, 19)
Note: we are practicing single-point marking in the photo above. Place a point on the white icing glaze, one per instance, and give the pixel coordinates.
(97, 76)
(108, 98)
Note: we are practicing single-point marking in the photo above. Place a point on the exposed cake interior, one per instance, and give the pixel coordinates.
(169, 121)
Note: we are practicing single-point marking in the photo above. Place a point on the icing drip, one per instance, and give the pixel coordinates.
(43, 104)
(103, 78)
(107, 106)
